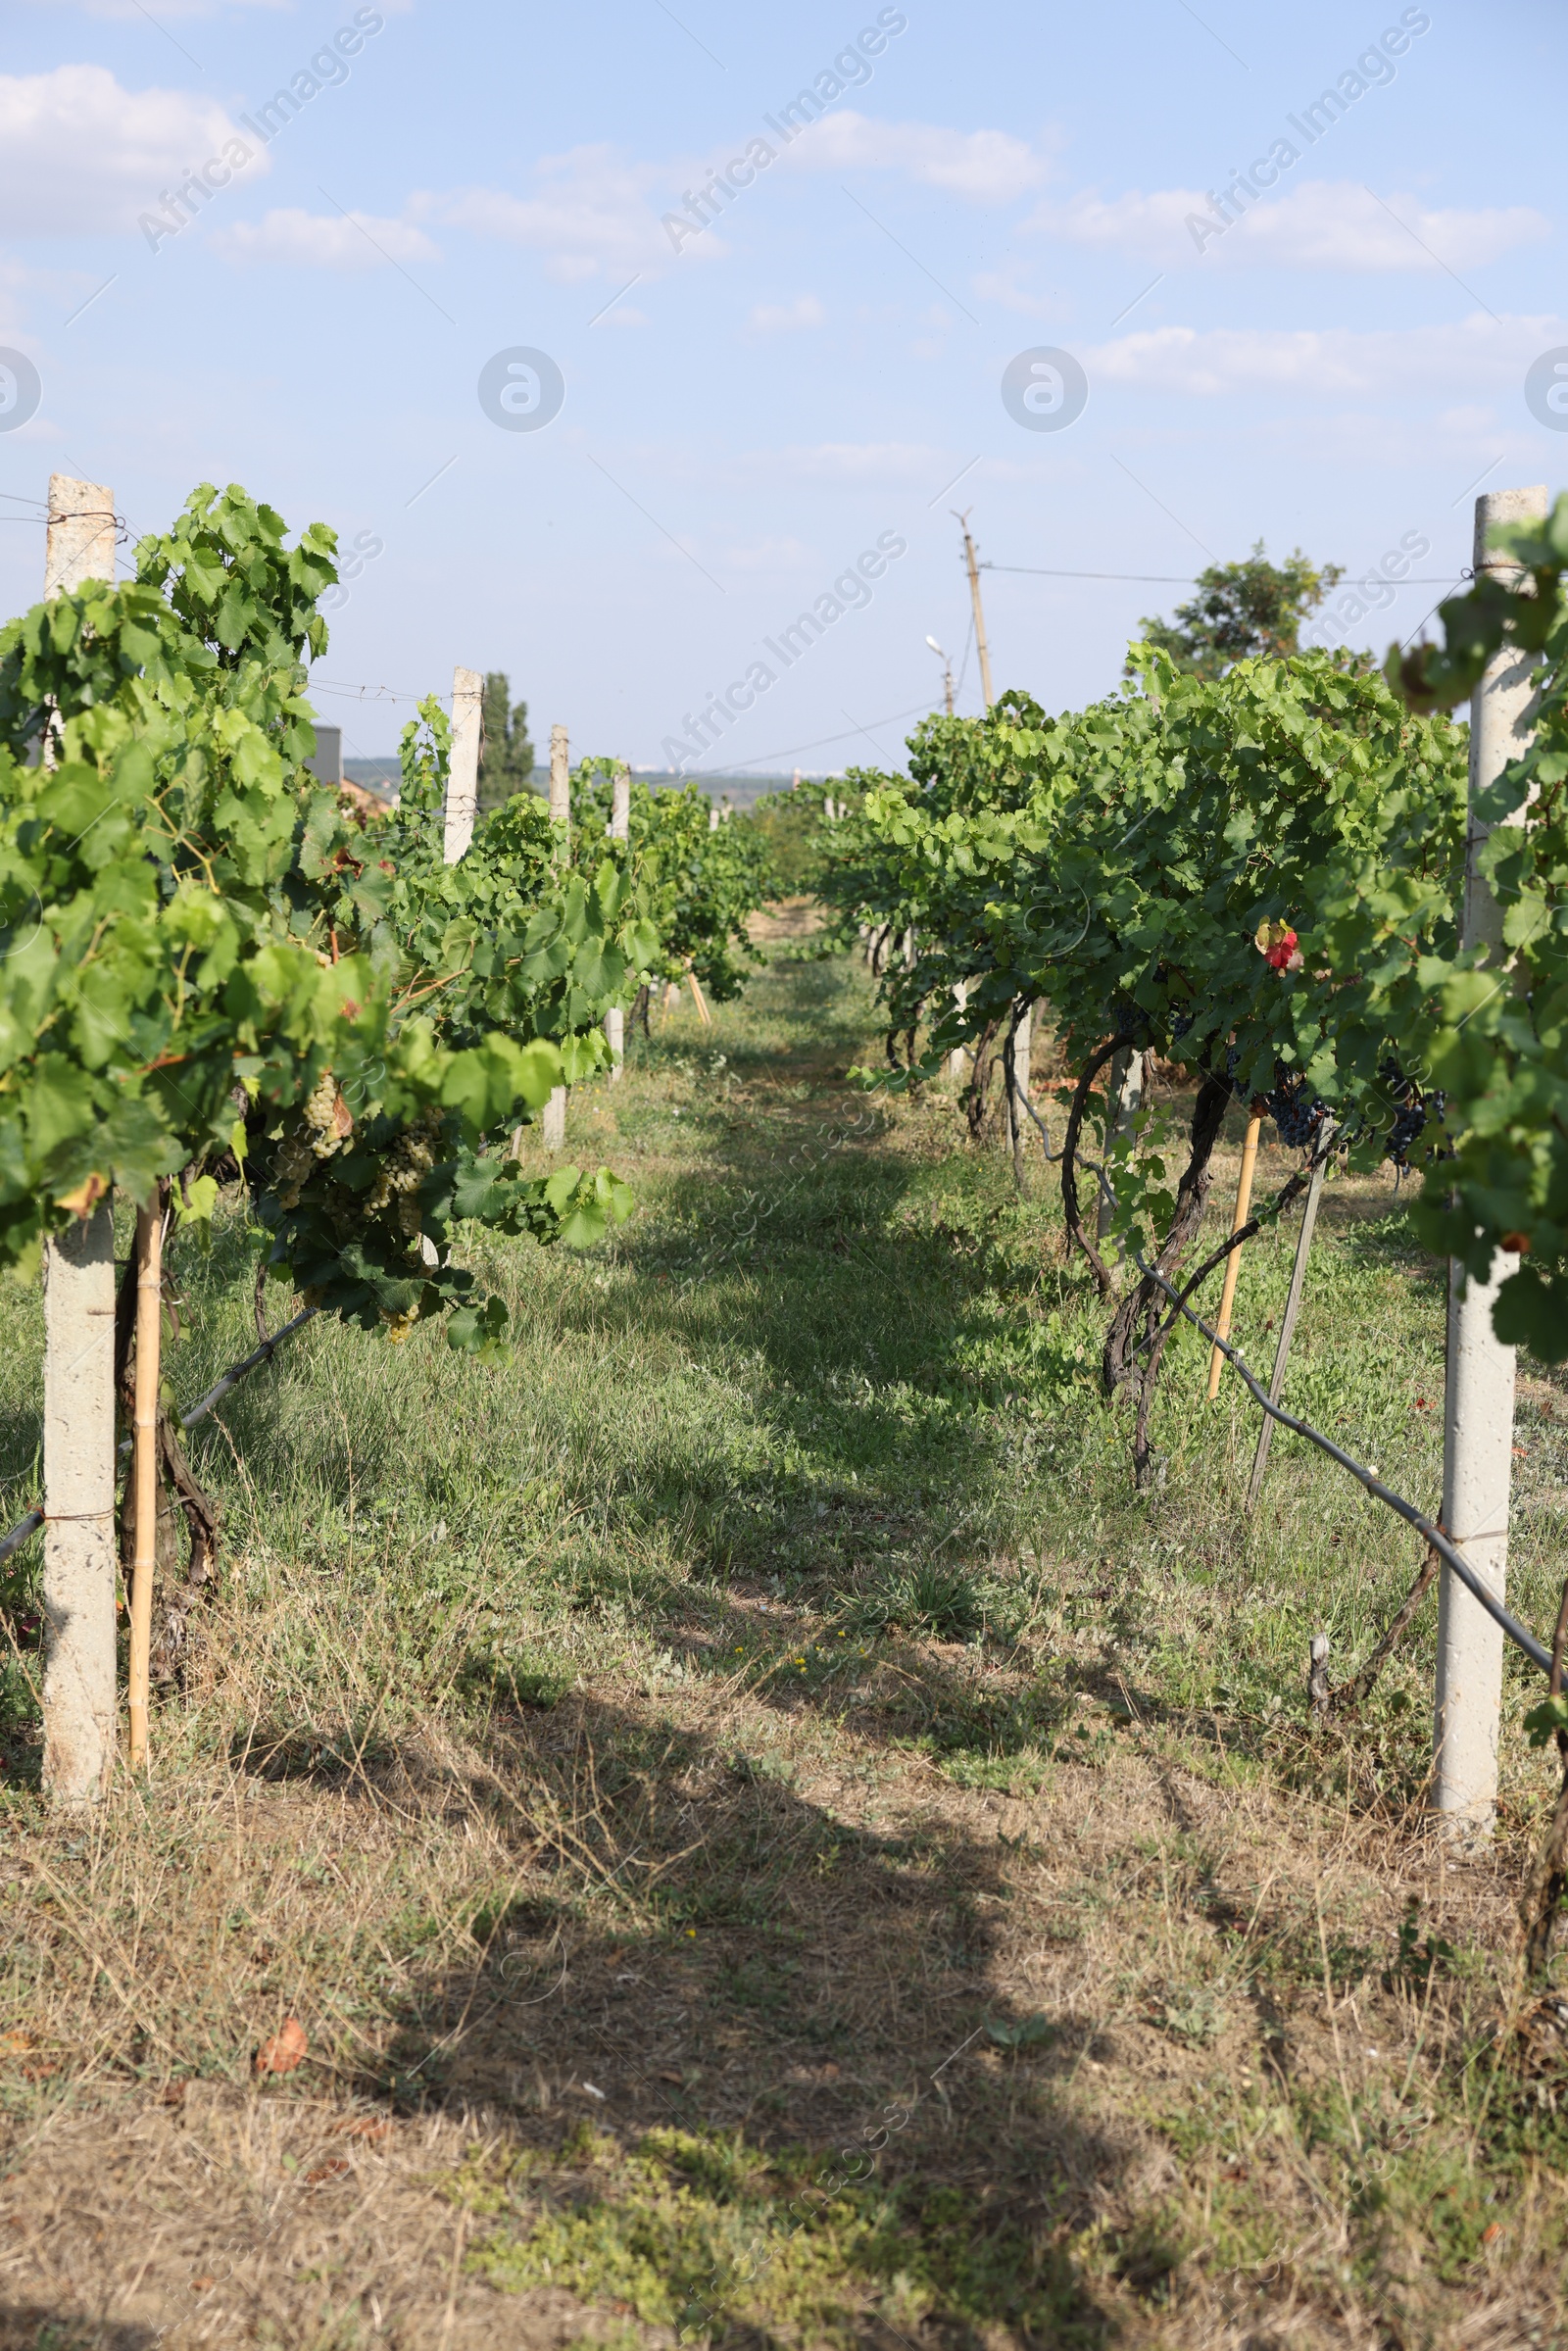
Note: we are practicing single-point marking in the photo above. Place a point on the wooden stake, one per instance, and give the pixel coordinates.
(144, 1466)
(78, 1412)
(1282, 1354)
(1243, 1203)
(704, 1013)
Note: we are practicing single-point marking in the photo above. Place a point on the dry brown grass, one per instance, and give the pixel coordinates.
(1130, 1966)
(873, 1916)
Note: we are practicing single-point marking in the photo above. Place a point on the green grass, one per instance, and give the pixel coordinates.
(766, 1685)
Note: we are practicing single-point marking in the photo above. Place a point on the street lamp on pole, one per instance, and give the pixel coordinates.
(946, 673)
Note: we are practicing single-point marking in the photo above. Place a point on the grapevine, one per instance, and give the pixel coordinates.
(213, 970)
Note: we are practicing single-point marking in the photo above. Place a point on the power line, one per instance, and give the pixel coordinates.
(739, 766)
(1164, 579)
(327, 685)
(1189, 579)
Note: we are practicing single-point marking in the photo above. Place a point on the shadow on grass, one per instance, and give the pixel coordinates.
(712, 2013)
(31, 2327)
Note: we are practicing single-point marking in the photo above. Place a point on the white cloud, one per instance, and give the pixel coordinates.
(1473, 356)
(301, 240)
(79, 154)
(996, 285)
(13, 278)
(772, 318)
(1335, 224)
(768, 555)
(1148, 224)
(127, 11)
(24, 288)
(591, 215)
(597, 212)
(896, 462)
(988, 167)
(1321, 225)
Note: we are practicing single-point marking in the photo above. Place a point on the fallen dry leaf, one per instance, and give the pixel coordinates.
(16, 2043)
(331, 2169)
(285, 2050)
(364, 2126)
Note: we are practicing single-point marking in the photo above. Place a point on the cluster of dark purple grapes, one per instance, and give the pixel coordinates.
(1297, 1113)
(1415, 1108)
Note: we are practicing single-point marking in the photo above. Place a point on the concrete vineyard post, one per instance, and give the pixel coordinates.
(78, 1411)
(560, 776)
(462, 772)
(1478, 1400)
(958, 1059)
(982, 647)
(144, 1466)
(619, 830)
(1126, 1100)
(1292, 1307)
(1233, 1263)
(80, 542)
(554, 1118)
(462, 810)
(1017, 1113)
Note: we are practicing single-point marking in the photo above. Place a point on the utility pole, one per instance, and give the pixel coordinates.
(462, 772)
(979, 609)
(554, 1118)
(619, 830)
(78, 1377)
(1478, 1404)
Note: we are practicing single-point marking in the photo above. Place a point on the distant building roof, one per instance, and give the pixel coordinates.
(380, 776)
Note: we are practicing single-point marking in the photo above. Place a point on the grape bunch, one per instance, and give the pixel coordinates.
(1298, 1113)
(1414, 1110)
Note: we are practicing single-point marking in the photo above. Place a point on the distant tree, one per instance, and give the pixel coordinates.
(505, 763)
(1244, 610)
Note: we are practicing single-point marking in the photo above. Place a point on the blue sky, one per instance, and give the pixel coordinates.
(1336, 359)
